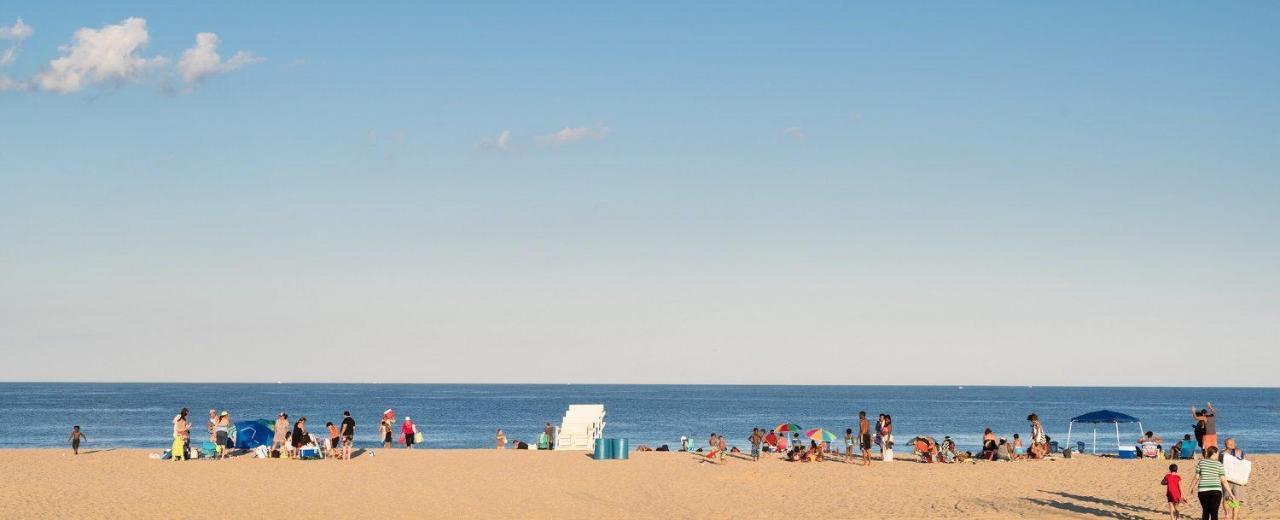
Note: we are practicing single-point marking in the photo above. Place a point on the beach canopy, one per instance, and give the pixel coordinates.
(1103, 417)
(251, 434)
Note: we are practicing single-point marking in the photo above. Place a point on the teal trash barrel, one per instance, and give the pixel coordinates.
(602, 452)
(624, 447)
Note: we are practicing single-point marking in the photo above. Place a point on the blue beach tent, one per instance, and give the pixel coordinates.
(1103, 417)
(251, 434)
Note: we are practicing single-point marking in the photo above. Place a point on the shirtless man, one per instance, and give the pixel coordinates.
(864, 437)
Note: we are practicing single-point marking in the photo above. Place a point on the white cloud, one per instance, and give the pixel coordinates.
(8, 55)
(202, 61)
(568, 135)
(501, 142)
(17, 32)
(111, 55)
(7, 83)
(100, 57)
(794, 132)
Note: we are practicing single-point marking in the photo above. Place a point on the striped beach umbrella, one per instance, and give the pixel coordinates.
(820, 435)
(787, 427)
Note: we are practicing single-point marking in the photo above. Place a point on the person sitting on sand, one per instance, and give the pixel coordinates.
(989, 445)
(814, 453)
(948, 450)
(77, 436)
(1004, 450)
(1019, 452)
(1149, 445)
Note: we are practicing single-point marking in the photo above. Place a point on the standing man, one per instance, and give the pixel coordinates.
(864, 437)
(348, 434)
(756, 440)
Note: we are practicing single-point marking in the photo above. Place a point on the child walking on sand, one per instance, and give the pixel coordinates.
(1173, 491)
(76, 437)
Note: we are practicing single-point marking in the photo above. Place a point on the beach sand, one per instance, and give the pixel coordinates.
(530, 484)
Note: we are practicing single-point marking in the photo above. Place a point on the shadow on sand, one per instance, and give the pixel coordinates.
(1106, 502)
(100, 450)
(1083, 509)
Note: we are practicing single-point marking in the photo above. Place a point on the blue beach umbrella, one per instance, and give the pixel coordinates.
(251, 434)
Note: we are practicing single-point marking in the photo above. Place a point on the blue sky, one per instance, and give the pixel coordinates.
(684, 193)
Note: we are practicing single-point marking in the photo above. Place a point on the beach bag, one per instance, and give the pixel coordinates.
(1237, 470)
(417, 437)
(261, 452)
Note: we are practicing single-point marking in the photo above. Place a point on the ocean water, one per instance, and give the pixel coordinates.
(466, 416)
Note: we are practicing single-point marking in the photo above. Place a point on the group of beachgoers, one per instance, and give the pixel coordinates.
(546, 440)
(219, 428)
(1213, 490)
(289, 440)
(290, 443)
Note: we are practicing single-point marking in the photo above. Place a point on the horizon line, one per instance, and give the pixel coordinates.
(958, 385)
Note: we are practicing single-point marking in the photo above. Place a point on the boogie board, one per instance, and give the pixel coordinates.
(1237, 470)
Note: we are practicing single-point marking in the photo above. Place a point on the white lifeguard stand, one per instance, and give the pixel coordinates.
(581, 426)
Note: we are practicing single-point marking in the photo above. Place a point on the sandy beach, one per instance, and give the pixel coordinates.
(125, 483)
